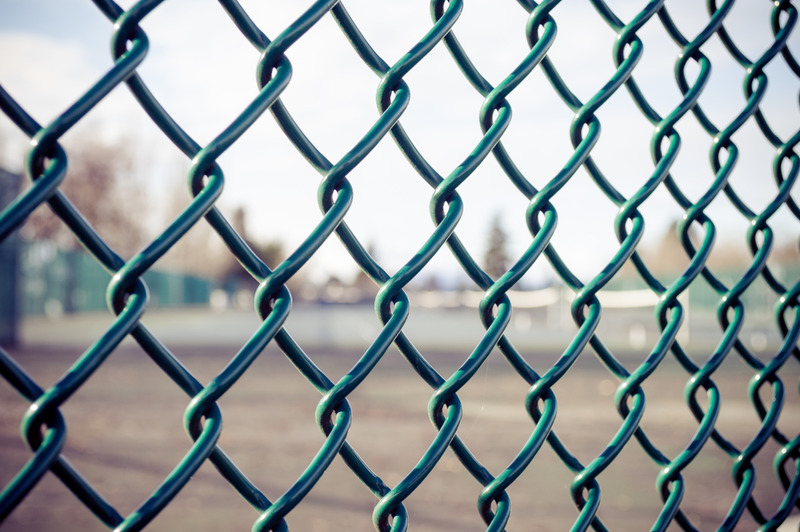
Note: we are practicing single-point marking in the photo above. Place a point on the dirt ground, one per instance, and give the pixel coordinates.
(125, 434)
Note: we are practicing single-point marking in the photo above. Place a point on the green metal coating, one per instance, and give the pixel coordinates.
(44, 427)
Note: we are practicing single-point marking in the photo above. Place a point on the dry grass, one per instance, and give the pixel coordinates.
(125, 435)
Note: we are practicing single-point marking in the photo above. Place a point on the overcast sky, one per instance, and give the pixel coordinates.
(203, 72)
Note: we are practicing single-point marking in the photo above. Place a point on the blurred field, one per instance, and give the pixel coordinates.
(125, 435)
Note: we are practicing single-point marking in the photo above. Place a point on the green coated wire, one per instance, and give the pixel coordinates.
(44, 427)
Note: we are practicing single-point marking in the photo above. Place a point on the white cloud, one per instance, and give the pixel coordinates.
(44, 75)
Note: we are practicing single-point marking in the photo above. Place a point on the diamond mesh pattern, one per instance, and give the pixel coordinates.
(44, 426)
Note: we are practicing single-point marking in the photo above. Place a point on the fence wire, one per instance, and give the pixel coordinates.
(44, 425)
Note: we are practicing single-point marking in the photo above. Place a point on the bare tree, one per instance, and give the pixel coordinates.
(100, 183)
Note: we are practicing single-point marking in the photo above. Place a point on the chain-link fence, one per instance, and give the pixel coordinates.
(534, 365)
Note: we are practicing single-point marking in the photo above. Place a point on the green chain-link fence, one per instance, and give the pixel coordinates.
(736, 468)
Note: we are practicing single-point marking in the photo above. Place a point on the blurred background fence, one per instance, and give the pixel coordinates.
(459, 266)
(55, 281)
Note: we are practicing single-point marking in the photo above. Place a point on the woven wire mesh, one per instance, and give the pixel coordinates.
(540, 195)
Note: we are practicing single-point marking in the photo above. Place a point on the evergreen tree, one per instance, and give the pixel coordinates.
(496, 257)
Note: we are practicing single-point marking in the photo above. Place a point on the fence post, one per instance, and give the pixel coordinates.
(9, 266)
